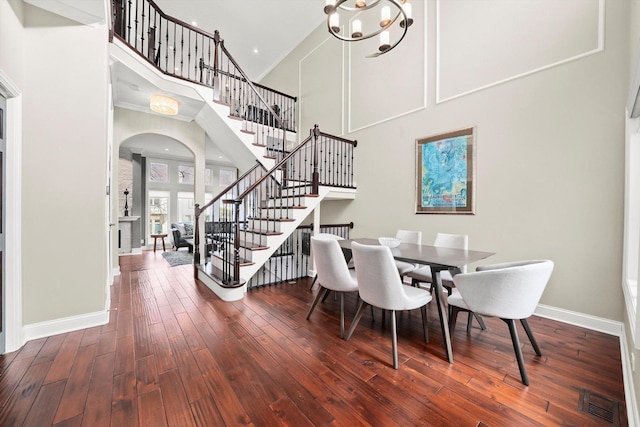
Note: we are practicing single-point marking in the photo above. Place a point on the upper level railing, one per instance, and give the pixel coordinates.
(186, 52)
(247, 213)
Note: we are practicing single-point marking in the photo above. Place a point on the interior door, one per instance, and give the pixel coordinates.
(3, 121)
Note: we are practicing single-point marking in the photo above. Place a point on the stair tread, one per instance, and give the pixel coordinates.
(263, 233)
(271, 219)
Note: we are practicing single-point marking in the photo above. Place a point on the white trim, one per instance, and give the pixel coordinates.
(14, 338)
(599, 48)
(580, 319)
(65, 325)
(115, 271)
(627, 377)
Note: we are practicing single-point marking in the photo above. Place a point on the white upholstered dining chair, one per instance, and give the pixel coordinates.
(332, 272)
(380, 286)
(510, 291)
(324, 236)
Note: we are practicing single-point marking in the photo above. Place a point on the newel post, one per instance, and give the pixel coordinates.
(236, 242)
(196, 240)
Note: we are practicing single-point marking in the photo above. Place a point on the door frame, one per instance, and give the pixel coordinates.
(14, 336)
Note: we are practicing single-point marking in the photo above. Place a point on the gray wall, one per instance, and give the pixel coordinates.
(550, 143)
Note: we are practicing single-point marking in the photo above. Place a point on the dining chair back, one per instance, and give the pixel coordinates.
(510, 291)
(407, 236)
(324, 236)
(332, 272)
(380, 286)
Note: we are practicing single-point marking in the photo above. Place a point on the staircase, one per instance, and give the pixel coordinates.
(284, 182)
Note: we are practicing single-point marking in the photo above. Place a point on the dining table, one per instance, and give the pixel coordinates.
(438, 259)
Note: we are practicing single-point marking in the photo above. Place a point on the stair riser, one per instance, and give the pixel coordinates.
(264, 225)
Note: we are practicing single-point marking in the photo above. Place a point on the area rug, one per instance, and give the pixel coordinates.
(175, 258)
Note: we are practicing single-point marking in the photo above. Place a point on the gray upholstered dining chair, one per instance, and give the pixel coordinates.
(510, 291)
(380, 286)
(332, 272)
(407, 236)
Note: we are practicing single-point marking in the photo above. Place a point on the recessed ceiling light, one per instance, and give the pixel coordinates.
(166, 149)
(255, 50)
(194, 23)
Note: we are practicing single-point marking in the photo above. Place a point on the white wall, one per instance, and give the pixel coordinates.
(64, 169)
(550, 144)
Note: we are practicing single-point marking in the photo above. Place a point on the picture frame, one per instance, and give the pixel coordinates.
(445, 173)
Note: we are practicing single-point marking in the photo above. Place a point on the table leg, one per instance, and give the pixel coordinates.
(163, 246)
(155, 240)
(442, 312)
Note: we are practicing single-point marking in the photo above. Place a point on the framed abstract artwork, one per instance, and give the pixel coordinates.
(445, 173)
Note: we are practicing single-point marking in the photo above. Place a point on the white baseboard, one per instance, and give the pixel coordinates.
(64, 325)
(580, 319)
(115, 271)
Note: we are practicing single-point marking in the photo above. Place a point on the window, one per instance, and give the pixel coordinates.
(185, 174)
(208, 174)
(158, 212)
(226, 177)
(185, 207)
(158, 172)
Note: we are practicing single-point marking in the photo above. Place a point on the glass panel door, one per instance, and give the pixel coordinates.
(158, 212)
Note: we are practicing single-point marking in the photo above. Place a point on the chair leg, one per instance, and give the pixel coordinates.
(356, 319)
(516, 347)
(480, 321)
(453, 316)
(313, 282)
(527, 329)
(341, 314)
(326, 295)
(315, 300)
(394, 340)
(425, 321)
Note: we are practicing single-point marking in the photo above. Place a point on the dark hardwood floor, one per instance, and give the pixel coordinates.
(173, 354)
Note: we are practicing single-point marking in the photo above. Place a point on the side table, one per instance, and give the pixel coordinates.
(155, 241)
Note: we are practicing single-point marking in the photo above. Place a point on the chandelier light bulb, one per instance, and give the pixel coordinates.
(384, 41)
(334, 22)
(385, 16)
(356, 29)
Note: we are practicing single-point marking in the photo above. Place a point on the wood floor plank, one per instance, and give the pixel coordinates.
(124, 406)
(151, 409)
(45, 405)
(174, 396)
(76, 390)
(62, 364)
(97, 411)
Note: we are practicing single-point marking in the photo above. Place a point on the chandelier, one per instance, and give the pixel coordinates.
(390, 12)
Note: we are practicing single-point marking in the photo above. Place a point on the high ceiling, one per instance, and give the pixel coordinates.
(258, 33)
